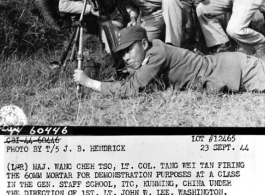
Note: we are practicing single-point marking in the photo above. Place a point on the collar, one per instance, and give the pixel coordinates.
(146, 60)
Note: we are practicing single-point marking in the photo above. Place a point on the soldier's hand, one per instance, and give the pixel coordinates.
(133, 22)
(83, 79)
(80, 77)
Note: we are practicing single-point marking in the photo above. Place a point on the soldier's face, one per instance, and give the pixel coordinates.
(135, 54)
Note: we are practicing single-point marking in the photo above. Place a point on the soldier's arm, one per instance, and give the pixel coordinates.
(83, 79)
(133, 12)
(74, 7)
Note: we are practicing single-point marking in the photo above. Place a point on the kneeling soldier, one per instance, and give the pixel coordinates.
(228, 71)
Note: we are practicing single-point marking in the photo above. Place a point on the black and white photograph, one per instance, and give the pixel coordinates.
(81, 82)
(135, 63)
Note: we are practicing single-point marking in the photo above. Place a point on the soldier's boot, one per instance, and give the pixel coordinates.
(47, 12)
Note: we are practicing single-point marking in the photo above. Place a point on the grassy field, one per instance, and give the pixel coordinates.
(48, 97)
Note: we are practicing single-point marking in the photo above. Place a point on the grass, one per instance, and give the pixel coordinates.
(49, 97)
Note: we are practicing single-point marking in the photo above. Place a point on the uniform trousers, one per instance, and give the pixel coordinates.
(192, 21)
(242, 14)
(167, 21)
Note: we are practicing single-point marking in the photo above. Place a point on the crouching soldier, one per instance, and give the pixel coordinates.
(228, 71)
(75, 7)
